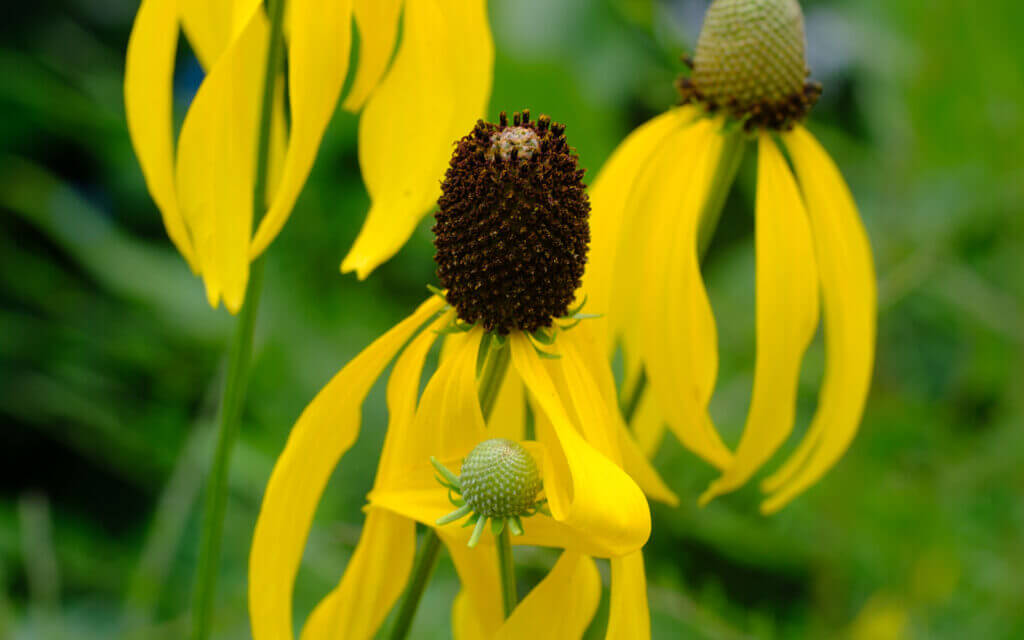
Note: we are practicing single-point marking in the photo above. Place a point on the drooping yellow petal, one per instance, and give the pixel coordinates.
(674, 322)
(508, 419)
(478, 610)
(586, 491)
(648, 426)
(378, 27)
(317, 65)
(629, 617)
(561, 606)
(590, 387)
(436, 88)
(643, 211)
(849, 299)
(787, 315)
(148, 86)
(216, 163)
(639, 467)
(208, 27)
(448, 421)
(374, 578)
(323, 433)
(609, 195)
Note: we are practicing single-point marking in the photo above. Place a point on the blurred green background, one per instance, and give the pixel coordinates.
(111, 361)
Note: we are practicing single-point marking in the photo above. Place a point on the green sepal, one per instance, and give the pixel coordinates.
(454, 515)
(453, 481)
(497, 526)
(515, 525)
(542, 337)
(477, 532)
(577, 308)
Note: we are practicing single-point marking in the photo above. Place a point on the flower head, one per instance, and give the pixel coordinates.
(750, 61)
(203, 182)
(669, 179)
(593, 476)
(512, 225)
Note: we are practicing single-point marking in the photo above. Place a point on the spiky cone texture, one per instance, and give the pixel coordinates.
(512, 228)
(500, 479)
(751, 61)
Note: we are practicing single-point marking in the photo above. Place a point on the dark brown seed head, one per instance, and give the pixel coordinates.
(512, 227)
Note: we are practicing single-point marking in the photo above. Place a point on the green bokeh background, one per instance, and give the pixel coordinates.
(111, 361)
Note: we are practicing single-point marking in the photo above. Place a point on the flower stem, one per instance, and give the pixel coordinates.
(239, 359)
(492, 376)
(489, 383)
(506, 566)
(425, 563)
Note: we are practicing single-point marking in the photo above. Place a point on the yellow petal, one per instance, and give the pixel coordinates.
(592, 378)
(378, 27)
(323, 433)
(447, 425)
(561, 606)
(216, 164)
(402, 395)
(438, 86)
(849, 299)
(676, 329)
(208, 28)
(374, 578)
(628, 617)
(478, 610)
(648, 427)
(508, 419)
(633, 238)
(317, 65)
(608, 197)
(586, 491)
(148, 87)
(639, 467)
(787, 315)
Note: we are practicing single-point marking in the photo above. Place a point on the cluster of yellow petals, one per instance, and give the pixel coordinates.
(811, 250)
(594, 479)
(413, 107)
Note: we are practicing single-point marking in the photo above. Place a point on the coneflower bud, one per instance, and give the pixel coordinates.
(512, 226)
(499, 479)
(751, 61)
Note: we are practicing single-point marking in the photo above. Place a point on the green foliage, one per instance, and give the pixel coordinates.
(110, 360)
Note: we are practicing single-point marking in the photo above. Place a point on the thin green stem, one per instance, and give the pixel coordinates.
(506, 566)
(492, 376)
(489, 383)
(239, 358)
(425, 563)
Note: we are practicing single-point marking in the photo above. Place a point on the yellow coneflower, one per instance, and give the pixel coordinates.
(660, 192)
(203, 183)
(511, 238)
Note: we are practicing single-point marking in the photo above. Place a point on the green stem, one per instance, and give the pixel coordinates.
(239, 358)
(489, 383)
(506, 566)
(492, 376)
(425, 563)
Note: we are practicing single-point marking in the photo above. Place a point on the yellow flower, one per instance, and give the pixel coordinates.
(666, 184)
(437, 85)
(513, 192)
